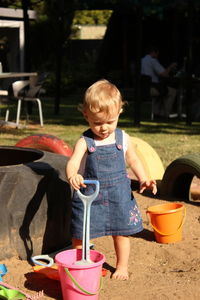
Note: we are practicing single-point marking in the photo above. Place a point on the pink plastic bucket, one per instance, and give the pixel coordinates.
(79, 282)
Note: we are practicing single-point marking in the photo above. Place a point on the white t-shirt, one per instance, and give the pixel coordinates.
(150, 66)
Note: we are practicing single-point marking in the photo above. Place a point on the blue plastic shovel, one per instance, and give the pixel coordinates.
(3, 271)
(87, 201)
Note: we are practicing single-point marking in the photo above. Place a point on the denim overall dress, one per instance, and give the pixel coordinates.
(114, 211)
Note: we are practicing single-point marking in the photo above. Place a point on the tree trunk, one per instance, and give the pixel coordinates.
(137, 107)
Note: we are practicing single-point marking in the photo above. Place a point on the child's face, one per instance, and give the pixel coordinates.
(102, 124)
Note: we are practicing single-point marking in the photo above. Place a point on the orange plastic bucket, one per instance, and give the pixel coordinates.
(167, 221)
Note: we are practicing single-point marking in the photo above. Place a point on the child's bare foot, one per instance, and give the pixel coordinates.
(120, 274)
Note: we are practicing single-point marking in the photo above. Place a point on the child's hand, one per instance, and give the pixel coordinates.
(76, 181)
(150, 185)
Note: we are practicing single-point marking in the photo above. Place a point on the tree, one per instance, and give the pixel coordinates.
(61, 14)
(96, 17)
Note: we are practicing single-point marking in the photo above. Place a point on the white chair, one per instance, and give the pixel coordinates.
(23, 91)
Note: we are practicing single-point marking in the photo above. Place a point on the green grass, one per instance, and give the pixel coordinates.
(169, 139)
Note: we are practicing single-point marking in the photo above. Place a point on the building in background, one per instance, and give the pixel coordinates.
(12, 38)
(91, 32)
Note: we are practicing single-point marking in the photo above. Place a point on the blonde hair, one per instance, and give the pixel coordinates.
(101, 97)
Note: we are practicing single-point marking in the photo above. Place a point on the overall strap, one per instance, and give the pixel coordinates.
(88, 136)
(119, 138)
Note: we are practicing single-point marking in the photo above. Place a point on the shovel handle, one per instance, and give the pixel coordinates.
(92, 196)
(92, 181)
(36, 260)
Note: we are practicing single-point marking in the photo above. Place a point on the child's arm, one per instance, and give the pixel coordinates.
(73, 165)
(136, 166)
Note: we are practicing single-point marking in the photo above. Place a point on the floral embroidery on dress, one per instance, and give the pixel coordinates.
(134, 216)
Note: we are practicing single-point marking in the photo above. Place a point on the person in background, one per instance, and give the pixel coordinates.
(101, 153)
(150, 66)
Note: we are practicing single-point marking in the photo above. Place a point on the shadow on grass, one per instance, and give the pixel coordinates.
(69, 115)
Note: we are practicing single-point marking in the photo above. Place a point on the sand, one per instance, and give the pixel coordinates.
(157, 271)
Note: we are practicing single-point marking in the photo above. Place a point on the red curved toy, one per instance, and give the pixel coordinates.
(46, 142)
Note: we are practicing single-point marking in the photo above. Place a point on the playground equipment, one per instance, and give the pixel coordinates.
(46, 142)
(32, 184)
(178, 176)
(149, 158)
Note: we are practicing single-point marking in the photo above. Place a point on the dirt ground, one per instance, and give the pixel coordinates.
(157, 271)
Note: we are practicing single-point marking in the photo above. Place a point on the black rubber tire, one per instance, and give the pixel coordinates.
(178, 176)
(46, 142)
(35, 202)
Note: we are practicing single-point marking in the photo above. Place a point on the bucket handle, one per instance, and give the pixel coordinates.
(161, 233)
(81, 288)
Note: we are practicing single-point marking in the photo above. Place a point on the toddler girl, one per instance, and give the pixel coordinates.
(102, 153)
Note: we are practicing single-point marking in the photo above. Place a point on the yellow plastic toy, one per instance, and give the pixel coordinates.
(149, 158)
